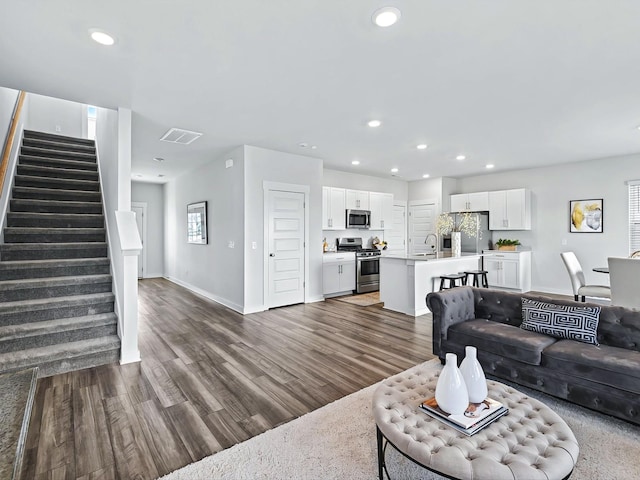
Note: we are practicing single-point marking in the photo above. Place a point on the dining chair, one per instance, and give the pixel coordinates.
(578, 282)
(624, 274)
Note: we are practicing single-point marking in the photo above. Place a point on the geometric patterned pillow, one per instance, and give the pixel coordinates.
(561, 321)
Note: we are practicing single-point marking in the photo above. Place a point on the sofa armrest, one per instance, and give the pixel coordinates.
(448, 307)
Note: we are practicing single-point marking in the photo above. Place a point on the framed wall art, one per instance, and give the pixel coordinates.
(197, 223)
(586, 216)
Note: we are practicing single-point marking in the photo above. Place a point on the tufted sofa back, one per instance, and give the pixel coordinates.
(618, 326)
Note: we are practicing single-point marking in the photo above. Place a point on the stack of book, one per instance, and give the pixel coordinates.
(475, 418)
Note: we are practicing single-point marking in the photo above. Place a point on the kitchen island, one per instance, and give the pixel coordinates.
(405, 280)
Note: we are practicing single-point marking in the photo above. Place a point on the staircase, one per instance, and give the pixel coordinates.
(56, 300)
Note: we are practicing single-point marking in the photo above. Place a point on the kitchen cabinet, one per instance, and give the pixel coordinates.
(508, 270)
(381, 205)
(510, 209)
(473, 202)
(357, 200)
(333, 208)
(338, 272)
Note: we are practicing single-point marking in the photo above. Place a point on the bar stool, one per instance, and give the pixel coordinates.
(452, 277)
(477, 273)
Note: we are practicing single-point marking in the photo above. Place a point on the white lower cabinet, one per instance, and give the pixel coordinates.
(509, 270)
(338, 273)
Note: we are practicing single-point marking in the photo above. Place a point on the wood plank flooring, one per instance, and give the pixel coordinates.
(210, 378)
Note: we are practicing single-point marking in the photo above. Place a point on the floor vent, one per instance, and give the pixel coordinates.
(178, 135)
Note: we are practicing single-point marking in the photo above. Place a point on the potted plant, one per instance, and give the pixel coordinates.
(507, 244)
(453, 224)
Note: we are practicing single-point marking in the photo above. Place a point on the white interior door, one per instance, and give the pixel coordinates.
(286, 233)
(139, 210)
(422, 222)
(396, 238)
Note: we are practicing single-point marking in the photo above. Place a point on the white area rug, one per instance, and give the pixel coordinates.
(338, 441)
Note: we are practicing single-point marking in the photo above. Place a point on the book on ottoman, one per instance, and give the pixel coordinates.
(475, 418)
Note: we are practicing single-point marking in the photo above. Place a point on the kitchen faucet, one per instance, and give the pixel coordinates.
(435, 238)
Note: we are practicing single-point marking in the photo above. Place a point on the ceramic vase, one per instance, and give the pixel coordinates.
(473, 375)
(456, 244)
(451, 391)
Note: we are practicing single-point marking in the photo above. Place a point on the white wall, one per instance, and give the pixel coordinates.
(214, 270)
(47, 113)
(153, 195)
(552, 188)
(264, 165)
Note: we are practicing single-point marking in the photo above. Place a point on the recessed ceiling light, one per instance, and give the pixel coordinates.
(313, 147)
(139, 175)
(490, 165)
(426, 175)
(355, 162)
(386, 16)
(394, 170)
(460, 157)
(422, 146)
(101, 37)
(158, 159)
(303, 145)
(374, 123)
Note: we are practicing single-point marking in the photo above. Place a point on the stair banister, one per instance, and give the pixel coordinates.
(8, 144)
(130, 246)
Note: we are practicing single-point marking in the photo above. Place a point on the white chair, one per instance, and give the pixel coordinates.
(624, 276)
(578, 283)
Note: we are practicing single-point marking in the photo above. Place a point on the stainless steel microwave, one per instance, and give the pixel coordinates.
(358, 218)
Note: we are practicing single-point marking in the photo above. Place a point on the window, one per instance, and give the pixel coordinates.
(92, 113)
(634, 215)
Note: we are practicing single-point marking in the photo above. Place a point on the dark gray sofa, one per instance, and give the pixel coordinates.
(605, 378)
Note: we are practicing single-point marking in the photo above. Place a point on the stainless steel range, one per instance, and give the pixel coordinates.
(367, 264)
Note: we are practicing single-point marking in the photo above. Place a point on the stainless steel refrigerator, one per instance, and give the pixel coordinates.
(482, 240)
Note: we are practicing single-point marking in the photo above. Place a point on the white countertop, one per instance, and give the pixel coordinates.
(430, 256)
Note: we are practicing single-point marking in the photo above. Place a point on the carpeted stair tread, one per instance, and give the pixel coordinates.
(68, 262)
(31, 357)
(57, 138)
(55, 144)
(53, 235)
(12, 332)
(56, 183)
(56, 172)
(57, 163)
(53, 282)
(49, 251)
(53, 220)
(32, 269)
(58, 194)
(46, 152)
(55, 206)
(53, 303)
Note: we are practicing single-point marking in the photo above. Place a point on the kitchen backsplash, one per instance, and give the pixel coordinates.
(366, 235)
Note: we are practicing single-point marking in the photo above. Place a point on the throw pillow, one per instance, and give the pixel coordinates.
(561, 321)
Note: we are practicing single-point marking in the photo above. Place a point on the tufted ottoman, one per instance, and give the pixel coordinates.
(531, 442)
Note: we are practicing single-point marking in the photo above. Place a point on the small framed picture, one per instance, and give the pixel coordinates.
(197, 223)
(586, 216)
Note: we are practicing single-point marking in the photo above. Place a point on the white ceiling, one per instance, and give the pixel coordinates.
(516, 83)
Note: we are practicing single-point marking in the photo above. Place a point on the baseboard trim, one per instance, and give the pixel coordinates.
(203, 293)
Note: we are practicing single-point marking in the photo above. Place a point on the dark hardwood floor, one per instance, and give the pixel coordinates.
(210, 378)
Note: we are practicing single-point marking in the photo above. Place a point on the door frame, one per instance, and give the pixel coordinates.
(283, 187)
(143, 205)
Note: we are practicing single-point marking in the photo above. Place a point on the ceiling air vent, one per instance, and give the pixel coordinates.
(178, 135)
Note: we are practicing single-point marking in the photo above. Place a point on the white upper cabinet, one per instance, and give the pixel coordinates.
(334, 215)
(381, 206)
(474, 202)
(358, 200)
(510, 209)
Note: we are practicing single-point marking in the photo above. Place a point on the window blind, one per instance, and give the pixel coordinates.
(634, 216)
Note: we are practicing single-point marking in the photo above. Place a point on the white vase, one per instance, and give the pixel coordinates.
(456, 244)
(473, 376)
(451, 391)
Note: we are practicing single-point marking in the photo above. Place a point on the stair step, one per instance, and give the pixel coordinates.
(57, 183)
(66, 357)
(66, 286)
(57, 163)
(40, 334)
(38, 193)
(49, 153)
(54, 220)
(53, 235)
(27, 269)
(55, 172)
(57, 138)
(42, 309)
(58, 145)
(54, 206)
(50, 251)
